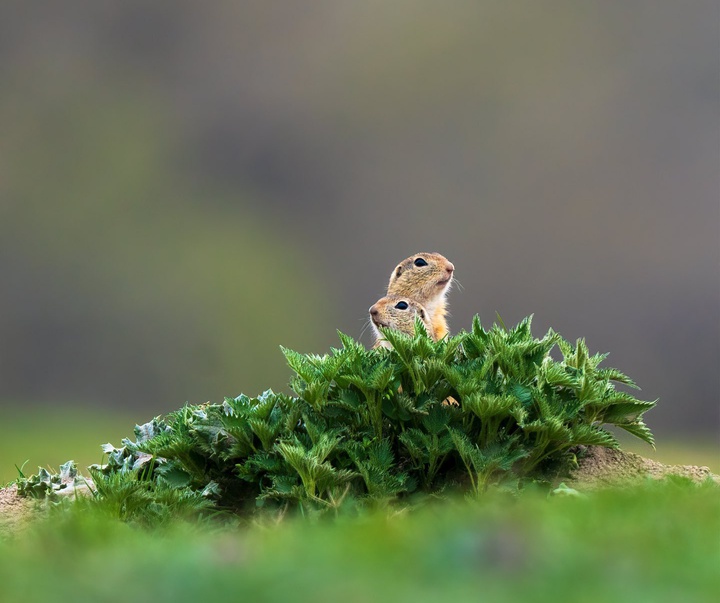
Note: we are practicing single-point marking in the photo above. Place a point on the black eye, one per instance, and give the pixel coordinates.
(419, 262)
(401, 305)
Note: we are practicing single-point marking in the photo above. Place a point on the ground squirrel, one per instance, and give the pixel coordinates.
(398, 313)
(425, 278)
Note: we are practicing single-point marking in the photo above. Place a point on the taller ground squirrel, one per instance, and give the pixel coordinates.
(426, 279)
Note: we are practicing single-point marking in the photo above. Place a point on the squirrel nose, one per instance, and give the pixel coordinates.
(374, 311)
(450, 267)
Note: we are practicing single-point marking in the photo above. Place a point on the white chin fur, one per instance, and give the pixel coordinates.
(431, 306)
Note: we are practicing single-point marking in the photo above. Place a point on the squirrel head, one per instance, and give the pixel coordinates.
(424, 277)
(398, 313)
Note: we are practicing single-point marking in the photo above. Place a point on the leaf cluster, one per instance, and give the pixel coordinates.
(480, 408)
(44, 484)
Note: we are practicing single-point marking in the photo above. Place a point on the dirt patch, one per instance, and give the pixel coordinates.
(601, 467)
(14, 511)
(17, 511)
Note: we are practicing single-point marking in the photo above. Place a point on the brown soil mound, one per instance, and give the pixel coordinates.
(14, 511)
(602, 467)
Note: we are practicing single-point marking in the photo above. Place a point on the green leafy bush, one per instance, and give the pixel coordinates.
(372, 426)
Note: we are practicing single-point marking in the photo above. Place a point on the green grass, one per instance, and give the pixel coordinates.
(654, 543)
(50, 436)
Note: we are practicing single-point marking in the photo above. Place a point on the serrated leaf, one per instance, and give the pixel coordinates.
(626, 412)
(174, 476)
(640, 430)
(589, 435)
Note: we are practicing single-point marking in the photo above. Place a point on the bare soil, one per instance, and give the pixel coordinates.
(17, 511)
(600, 467)
(14, 511)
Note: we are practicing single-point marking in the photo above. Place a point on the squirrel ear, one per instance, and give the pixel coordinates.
(422, 313)
(398, 271)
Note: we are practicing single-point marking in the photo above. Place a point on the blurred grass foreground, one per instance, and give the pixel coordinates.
(656, 542)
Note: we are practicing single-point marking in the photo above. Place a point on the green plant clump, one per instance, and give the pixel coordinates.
(480, 408)
(45, 484)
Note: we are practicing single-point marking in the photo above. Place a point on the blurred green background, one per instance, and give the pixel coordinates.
(186, 186)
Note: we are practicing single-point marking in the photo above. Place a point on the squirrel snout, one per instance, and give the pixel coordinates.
(450, 267)
(374, 311)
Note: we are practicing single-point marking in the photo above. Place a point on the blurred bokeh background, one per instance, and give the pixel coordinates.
(186, 186)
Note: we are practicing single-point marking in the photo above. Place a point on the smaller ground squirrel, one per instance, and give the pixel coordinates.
(426, 279)
(398, 313)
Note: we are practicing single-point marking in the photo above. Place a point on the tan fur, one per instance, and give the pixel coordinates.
(384, 313)
(427, 285)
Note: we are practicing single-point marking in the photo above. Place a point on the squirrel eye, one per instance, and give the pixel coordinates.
(401, 305)
(419, 262)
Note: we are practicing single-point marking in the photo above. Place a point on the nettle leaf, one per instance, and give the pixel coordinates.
(300, 364)
(432, 372)
(596, 359)
(590, 435)
(591, 391)
(283, 487)
(448, 348)
(550, 429)
(266, 432)
(436, 420)
(264, 404)
(400, 342)
(469, 452)
(68, 471)
(258, 465)
(149, 430)
(349, 344)
(556, 374)
(348, 399)
(109, 448)
(212, 490)
(478, 333)
(521, 392)
(612, 374)
(316, 393)
(174, 476)
(402, 407)
(640, 430)
(626, 412)
(520, 415)
(487, 406)
(615, 398)
(380, 377)
(416, 442)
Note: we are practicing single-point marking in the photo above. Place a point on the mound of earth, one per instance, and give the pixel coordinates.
(600, 467)
(15, 511)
